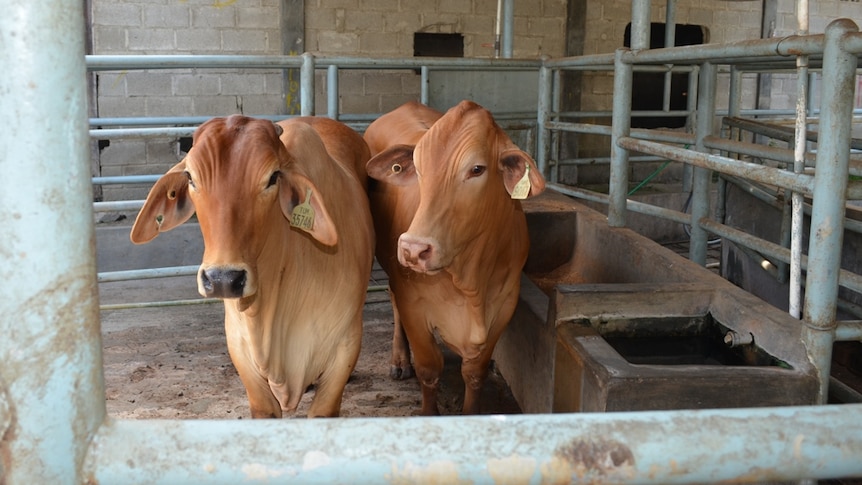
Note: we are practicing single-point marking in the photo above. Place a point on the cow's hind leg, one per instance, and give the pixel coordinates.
(401, 367)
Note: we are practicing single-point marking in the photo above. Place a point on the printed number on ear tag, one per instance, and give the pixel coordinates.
(522, 188)
(303, 214)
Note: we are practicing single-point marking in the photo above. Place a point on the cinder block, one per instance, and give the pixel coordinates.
(148, 83)
(151, 39)
(199, 41)
(124, 152)
(119, 106)
(109, 39)
(213, 17)
(248, 41)
(167, 16)
(258, 18)
(215, 105)
(169, 106)
(243, 83)
(196, 84)
(121, 14)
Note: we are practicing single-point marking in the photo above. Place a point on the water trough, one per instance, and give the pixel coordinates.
(612, 321)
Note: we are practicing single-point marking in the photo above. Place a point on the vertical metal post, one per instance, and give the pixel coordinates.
(555, 136)
(50, 349)
(508, 27)
(543, 144)
(827, 211)
(640, 30)
(332, 91)
(691, 106)
(669, 41)
(799, 148)
(306, 81)
(700, 178)
(423, 88)
(620, 128)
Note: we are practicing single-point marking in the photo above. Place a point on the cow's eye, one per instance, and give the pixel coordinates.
(272, 179)
(477, 170)
(191, 182)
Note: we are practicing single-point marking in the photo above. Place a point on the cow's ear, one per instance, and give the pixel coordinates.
(393, 165)
(303, 206)
(167, 206)
(520, 174)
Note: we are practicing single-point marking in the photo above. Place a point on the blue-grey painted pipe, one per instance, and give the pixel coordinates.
(118, 205)
(424, 90)
(700, 175)
(640, 28)
(139, 274)
(800, 182)
(306, 85)
(126, 62)
(620, 128)
(665, 447)
(125, 179)
(166, 131)
(827, 211)
(848, 331)
(543, 143)
(332, 92)
(508, 32)
(54, 399)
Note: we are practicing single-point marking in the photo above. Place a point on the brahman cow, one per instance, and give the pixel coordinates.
(288, 245)
(448, 210)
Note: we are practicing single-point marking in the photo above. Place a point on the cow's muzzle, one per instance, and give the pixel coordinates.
(417, 253)
(222, 282)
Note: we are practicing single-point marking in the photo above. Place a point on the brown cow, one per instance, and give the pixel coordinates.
(403, 126)
(456, 227)
(288, 246)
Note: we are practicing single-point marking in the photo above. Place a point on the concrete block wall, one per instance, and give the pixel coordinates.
(380, 28)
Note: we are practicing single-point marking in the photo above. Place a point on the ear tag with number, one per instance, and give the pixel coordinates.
(522, 188)
(303, 214)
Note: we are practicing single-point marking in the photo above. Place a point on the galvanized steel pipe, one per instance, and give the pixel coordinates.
(620, 129)
(51, 372)
(827, 211)
(664, 447)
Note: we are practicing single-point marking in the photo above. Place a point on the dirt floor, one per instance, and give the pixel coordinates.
(172, 361)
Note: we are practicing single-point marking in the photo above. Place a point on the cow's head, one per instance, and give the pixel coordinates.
(470, 176)
(247, 191)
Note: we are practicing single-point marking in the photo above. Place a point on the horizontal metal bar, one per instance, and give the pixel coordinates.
(847, 279)
(639, 133)
(849, 330)
(633, 205)
(141, 274)
(751, 51)
(125, 179)
(606, 160)
(662, 447)
(167, 120)
(796, 182)
(163, 131)
(157, 304)
(118, 205)
(130, 62)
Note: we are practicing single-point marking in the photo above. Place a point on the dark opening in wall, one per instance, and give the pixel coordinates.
(648, 87)
(427, 44)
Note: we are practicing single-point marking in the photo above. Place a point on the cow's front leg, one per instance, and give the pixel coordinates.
(428, 364)
(401, 368)
(474, 372)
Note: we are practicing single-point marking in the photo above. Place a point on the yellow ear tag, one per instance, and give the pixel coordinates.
(303, 214)
(522, 188)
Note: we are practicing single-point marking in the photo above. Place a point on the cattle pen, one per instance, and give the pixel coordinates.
(53, 421)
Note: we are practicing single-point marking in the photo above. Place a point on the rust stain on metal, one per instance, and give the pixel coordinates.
(512, 469)
(595, 461)
(442, 472)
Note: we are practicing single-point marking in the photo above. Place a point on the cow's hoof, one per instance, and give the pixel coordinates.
(400, 373)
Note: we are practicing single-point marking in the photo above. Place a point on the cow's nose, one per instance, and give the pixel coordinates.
(416, 253)
(223, 283)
